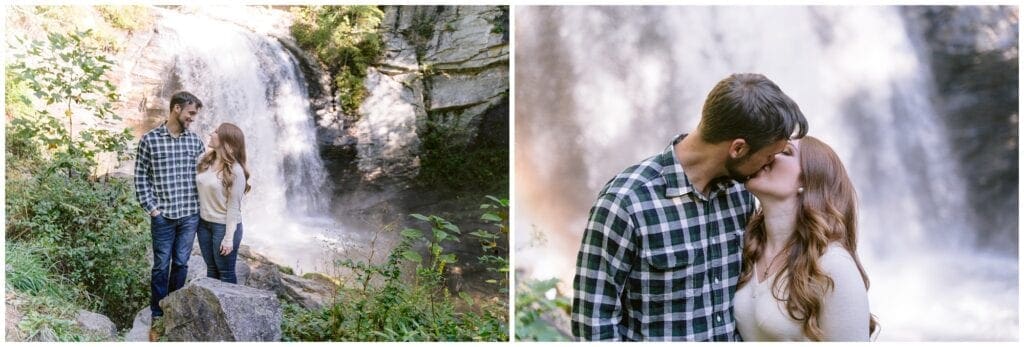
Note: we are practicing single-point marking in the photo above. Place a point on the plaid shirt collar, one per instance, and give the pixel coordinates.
(163, 131)
(676, 182)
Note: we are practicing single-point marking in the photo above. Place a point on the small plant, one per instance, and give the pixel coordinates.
(66, 71)
(497, 215)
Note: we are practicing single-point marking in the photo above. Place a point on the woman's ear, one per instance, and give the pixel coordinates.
(738, 148)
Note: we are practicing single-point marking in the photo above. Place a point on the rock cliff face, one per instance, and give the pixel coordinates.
(973, 53)
(446, 65)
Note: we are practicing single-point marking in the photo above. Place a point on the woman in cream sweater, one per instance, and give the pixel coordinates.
(802, 279)
(222, 180)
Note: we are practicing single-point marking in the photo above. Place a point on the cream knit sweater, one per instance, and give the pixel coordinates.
(214, 205)
(844, 311)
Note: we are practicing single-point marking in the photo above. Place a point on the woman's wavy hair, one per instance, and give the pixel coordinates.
(827, 213)
(232, 150)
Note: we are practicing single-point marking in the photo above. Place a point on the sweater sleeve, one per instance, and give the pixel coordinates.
(234, 213)
(845, 313)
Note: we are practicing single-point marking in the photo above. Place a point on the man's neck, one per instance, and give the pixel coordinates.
(698, 161)
(174, 128)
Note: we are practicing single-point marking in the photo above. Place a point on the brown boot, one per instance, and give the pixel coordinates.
(155, 329)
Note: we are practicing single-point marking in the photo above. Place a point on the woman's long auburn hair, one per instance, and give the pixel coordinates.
(230, 151)
(827, 213)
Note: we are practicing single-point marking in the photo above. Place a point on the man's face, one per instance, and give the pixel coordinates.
(186, 114)
(740, 169)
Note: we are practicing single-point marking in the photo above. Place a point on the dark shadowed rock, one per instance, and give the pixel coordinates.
(96, 324)
(973, 53)
(212, 310)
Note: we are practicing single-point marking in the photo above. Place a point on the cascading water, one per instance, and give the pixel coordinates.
(251, 80)
(600, 88)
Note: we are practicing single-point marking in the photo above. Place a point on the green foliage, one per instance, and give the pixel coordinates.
(497, 215)
(48, 313)
(346, 39)
(65, 70)
(532, 304)
(449, 163)
(30, 271)
(385, 306)
(91, 234)
(48, 301)
(441, 231)
(85, 233)
(129, 18)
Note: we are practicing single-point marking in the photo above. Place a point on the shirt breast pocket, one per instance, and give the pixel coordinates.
(160, 160)
(673, 265)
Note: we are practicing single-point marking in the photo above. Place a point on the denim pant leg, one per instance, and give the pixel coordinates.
(205, 236)
(226, 263)
(162, 233)
(184, 237)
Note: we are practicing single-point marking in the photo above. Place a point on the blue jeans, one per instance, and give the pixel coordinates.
(218, 266)
(172, 245)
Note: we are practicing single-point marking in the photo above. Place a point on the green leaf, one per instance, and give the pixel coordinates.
(448, 258)
(440, 235)
(502, 202)
(412, 256)
(452, 227)
(420, 217)
(412, 233)
(491, 217)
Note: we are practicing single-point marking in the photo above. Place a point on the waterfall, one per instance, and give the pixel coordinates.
(251, 80)
(600, 88)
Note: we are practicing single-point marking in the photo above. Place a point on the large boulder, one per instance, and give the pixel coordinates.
(96, 324)
(312, 293)
(140, 327)
(266, 276)
(212, 310)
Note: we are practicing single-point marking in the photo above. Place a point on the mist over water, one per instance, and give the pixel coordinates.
(251, 80)
(601, 88)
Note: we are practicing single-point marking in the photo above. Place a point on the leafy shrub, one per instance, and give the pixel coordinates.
(346, 39)
(88, 231)
(397, 309)
(66, 71)
(91, 233)
(30, 271)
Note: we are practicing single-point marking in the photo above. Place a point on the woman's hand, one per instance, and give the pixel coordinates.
(226, 249)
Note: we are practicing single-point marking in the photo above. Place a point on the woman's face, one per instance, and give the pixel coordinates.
(214, 140)
(780, 179)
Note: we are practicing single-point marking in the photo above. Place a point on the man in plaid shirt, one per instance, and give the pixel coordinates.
(165, 185)
(660, 257)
